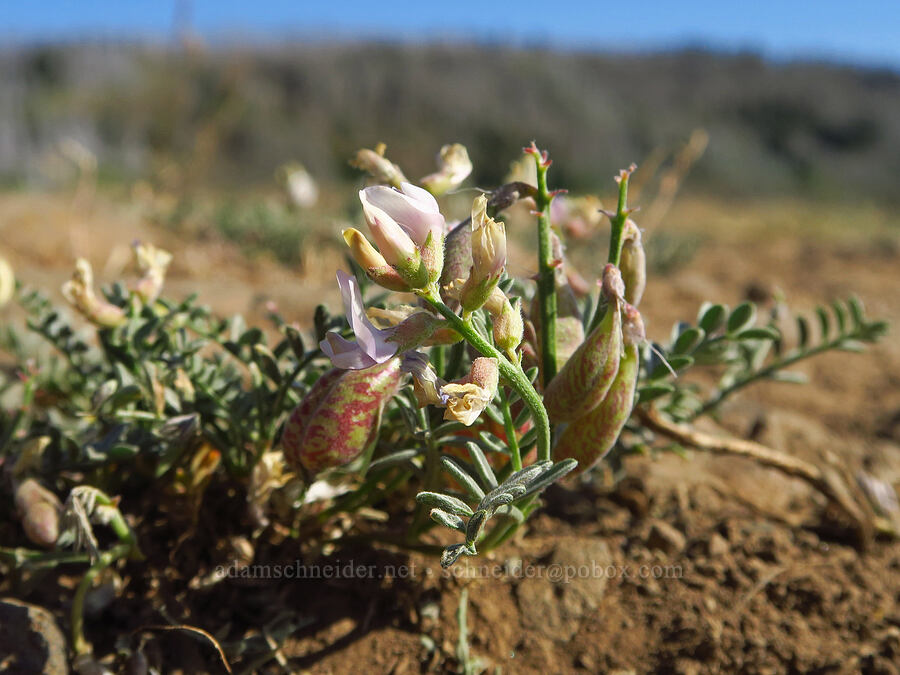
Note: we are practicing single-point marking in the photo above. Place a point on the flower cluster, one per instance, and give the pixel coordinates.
(456, 273)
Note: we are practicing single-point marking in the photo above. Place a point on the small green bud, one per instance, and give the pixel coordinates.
(508, 327)
(633, 263)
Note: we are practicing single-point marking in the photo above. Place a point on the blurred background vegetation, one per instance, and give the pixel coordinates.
(192, 117)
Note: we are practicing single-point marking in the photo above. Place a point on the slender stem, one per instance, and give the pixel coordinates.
(511, 440)
(510, 372)
(546, 282)
(79, 644)
(763, 373)
(23, 557)
(432, 474)
(618, 222)
(617, 225)
(437, 360)
(120, 527)
(283, 388)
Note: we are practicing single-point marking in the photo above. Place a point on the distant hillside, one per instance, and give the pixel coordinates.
(231, 117)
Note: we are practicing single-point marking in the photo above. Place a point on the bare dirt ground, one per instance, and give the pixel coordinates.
(707, 564)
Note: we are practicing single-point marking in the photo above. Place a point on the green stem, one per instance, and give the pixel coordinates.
(23, 557)
(120, 527)
(437, 359)
(432, 475)
(510, 372)
(79, 644)
(768, 371)
(511, 440)
(618, 222)
(546, 281)
(617, 225)
(283, 390)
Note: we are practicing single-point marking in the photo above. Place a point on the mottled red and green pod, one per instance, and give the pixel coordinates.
(591, 436)
(339, 416)
(588, 374)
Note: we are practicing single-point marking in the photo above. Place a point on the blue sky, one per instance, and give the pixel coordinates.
(860, 31)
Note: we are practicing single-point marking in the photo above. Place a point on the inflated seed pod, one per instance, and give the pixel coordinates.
(633, 263)
(591, 436)
(588, 374)
(339, 416)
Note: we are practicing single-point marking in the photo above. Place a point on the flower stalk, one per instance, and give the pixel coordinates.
(546, 281)
(512, 373)
(617, 222)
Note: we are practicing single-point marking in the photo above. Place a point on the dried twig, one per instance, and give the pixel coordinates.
(828, 483)
(197, 632)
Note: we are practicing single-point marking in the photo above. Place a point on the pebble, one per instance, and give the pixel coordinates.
(716, 545)
(665, 538)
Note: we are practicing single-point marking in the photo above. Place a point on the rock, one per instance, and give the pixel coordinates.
(665, 538)
(30, 640)
(586, 661)
(557, 595)
(716, 546)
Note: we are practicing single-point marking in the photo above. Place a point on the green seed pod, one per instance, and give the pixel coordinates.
(591, 436)
(588, 374)
(633, 264)
(339, 417)
(39, 510)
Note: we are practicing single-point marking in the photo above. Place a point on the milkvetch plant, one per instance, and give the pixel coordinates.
(580, 367)
(468, 393)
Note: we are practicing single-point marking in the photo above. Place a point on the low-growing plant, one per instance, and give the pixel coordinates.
(472, 399)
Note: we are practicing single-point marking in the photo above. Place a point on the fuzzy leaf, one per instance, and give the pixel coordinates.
(393, 459)
(759, 333)
(654, 391)
(482, 467)
(445, 502)
(803, 331)
(473, 528)
(688, 339)
(558, 470)
(462, 477)
(450, 520)
(741, 317)
(712, 317)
